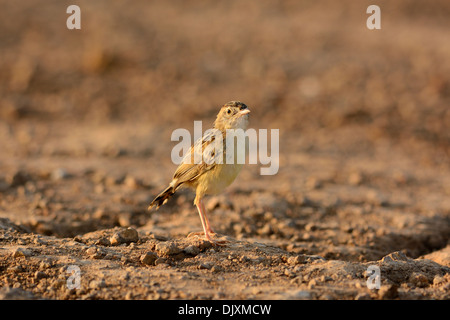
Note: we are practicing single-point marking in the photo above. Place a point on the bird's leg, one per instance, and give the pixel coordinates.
(208, 226)
(205, 222)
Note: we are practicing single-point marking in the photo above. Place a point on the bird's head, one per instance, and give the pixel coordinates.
(233, 115)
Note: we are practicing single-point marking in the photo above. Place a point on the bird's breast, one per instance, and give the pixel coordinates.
(217, 179)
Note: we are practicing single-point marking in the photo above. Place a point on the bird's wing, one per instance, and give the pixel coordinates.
(206, 151)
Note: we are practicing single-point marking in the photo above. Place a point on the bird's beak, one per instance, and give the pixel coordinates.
(243, 112)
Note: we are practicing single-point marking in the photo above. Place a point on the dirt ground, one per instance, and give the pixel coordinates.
(86, 118)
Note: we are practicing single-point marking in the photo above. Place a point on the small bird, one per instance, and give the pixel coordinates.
(213, 173)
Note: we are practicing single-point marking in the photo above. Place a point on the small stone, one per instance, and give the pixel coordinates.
(91, 250)
(96, 255)
(39, 275)
(149, 258)
(394, 256)
(44, 265)
(312, 283)
(39, 241)
(438, 280)
(21, 252)
(314, 259)
(216, 268)
(160, 261)
(124, 236)
(166, 248)
(419, 280)
(16, 269)
(133, 245)
(244, 259)
(129, 295)
(307, 236)
(296, 260)
(311, 227)
(289, 273)
(205, 265)
(103, 242)
(204, 244)
(192, 250)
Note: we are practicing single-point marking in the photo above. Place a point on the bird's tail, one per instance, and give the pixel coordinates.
(162, 198)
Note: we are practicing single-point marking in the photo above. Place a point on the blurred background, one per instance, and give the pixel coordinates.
(302, 66)
(356, 108)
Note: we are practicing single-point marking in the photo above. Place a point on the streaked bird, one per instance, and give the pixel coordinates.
(213, 173)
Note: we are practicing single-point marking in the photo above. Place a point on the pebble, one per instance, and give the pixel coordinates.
(300, 259)
(16, 269)
(124, 236)
(149, 258)
(289, 273)
(44, 265)
(167, 248)
(438, 280)
(419, 280)
(216, 268)
(21, 252)
(312, 283)
(39, 241)
(314, 259)
(206, 265)
(161, 261)
(394, 256)
(91, 250)
(192, 250)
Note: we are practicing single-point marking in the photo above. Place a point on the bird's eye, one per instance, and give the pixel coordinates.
(228, 111)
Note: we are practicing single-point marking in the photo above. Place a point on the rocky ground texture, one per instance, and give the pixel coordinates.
(364, 177)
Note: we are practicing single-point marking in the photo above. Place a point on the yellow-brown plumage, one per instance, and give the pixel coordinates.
(209, 177)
